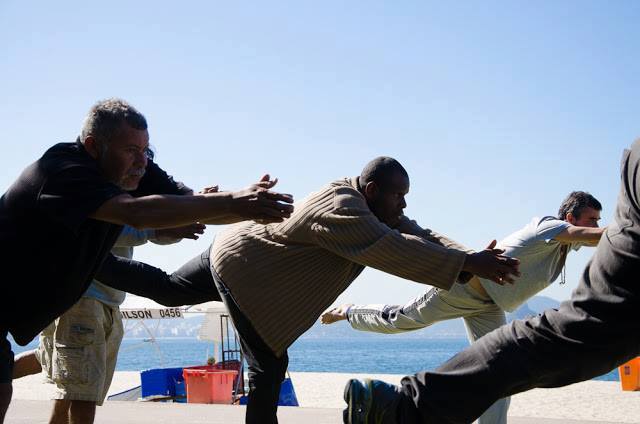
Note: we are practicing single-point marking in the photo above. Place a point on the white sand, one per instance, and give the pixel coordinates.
(587, 401)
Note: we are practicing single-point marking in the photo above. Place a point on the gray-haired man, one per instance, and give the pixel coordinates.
(63, 214)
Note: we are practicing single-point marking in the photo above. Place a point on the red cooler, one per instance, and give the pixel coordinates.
(209, 385)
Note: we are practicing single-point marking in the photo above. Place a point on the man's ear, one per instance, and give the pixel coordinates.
(570, 219)
(92, 146)
(371, 190)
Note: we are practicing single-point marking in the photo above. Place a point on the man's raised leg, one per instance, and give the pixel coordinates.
(191, 284)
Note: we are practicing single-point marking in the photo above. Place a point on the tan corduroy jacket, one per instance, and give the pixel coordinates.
(283, 276)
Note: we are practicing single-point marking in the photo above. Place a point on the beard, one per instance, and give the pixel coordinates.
(131, 181)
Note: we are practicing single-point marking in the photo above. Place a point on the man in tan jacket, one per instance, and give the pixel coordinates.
(276, 279)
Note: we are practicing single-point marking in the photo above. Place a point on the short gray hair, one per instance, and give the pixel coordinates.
(106, 117)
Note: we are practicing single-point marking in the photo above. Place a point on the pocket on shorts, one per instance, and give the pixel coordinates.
(70, 365)
(78, 328)
(75, 338)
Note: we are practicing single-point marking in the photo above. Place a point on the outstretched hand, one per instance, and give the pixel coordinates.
(261, 204)
(265, 182)
(493, 265)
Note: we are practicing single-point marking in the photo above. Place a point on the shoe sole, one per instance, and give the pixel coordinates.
(353, 396)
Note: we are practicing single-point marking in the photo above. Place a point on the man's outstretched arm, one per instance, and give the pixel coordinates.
(167, 211)
(489, 263)
(575, 234)
(356, 234)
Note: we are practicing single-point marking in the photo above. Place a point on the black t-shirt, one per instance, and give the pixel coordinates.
(53, 249)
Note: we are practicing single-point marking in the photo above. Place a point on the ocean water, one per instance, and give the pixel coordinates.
(384, 355)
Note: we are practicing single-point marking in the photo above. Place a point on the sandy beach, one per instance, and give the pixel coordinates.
(589, 402)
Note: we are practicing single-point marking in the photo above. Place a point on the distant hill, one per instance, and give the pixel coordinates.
(189, 327)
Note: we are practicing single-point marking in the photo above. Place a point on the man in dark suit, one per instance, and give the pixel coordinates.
(590, 334)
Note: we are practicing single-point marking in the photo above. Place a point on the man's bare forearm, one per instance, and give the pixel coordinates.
(595, 237)
(162, 211)
(167, 211)
(587, 235)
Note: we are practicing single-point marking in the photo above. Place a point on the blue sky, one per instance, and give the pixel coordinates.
(497, 109)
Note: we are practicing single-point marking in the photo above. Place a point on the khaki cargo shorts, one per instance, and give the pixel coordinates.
(78, 351)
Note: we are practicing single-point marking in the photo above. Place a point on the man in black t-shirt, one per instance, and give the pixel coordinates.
(61, 217)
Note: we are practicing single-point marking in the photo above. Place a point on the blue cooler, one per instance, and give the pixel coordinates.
(160, 381)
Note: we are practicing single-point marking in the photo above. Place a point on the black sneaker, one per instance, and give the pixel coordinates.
(370, 402)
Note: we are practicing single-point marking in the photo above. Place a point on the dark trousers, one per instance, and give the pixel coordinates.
(590, 334)
(195, 282)
(266, 370)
